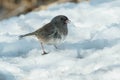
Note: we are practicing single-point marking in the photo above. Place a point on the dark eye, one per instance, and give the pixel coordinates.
(62, 19)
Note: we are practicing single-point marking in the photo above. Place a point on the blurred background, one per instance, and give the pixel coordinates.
(10, 8)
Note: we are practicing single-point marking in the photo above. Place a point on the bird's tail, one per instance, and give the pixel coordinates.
(29, 34)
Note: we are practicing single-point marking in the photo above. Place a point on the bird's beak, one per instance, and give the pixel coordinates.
(67, 21)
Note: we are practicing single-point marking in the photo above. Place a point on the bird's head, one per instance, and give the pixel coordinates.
(60, 20)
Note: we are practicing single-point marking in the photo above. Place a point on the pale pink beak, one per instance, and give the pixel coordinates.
(67, 21)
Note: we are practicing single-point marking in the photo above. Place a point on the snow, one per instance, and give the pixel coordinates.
(90, 52)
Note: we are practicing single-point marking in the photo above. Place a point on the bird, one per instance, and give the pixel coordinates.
(51, 33)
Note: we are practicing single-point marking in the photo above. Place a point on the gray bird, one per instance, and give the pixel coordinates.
(51, 33)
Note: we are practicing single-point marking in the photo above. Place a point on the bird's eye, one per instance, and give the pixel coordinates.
(62, 19)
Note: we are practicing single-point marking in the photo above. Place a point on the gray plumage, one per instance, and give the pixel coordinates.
(51, 33)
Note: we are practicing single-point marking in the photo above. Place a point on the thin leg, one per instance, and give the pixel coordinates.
(55, 47)
(43, 49)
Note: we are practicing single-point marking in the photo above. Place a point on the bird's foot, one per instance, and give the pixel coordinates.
(44, 53)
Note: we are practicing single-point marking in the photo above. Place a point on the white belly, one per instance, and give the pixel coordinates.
(56, 41)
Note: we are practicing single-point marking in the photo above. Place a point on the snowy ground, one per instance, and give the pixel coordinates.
(90, 52)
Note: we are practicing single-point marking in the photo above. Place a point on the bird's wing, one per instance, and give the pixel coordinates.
(47, 30)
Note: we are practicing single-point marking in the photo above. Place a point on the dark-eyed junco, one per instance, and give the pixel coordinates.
(51, 33)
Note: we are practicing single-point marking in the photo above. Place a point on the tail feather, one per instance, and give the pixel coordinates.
(29, 34)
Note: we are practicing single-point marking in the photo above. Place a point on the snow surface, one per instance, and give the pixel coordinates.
(90, 52)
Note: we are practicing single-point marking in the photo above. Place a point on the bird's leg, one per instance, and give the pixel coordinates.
(55, 47)
(43, 50)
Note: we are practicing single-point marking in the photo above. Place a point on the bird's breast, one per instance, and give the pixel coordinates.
(54, 41)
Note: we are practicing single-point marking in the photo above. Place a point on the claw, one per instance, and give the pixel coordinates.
(44, 53)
